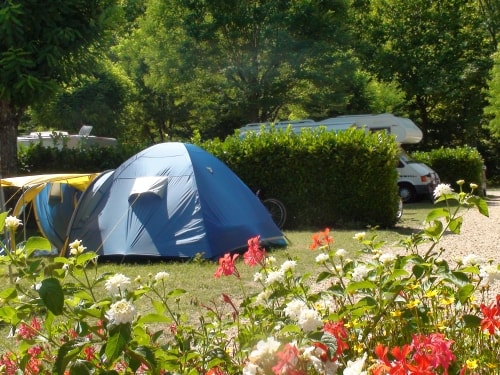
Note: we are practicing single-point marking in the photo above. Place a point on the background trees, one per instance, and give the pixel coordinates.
(211, 66)
(43, 45)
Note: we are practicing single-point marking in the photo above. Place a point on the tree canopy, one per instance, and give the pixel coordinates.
(42, 46)
(173, 69)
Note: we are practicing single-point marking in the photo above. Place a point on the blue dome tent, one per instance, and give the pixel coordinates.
(172, 200)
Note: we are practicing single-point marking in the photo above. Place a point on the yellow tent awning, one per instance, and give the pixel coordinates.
(32, 185)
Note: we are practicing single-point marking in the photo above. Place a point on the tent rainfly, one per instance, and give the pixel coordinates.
(171, 200)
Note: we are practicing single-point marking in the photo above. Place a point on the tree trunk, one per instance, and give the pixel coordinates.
(10, 116)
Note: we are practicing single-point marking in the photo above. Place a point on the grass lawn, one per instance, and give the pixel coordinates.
(197, 276)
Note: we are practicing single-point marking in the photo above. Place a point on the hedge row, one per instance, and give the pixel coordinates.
(323, 178)
(461, 163)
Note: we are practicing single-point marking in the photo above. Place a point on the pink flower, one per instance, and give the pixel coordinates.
(435, 349)
(255, 254)
(227, 266)
(288, 361)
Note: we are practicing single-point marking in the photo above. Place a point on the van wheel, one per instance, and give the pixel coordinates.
(407, 193)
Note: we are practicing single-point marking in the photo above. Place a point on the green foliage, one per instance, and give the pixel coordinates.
(454, 164)
(322, 177)
(38, 159)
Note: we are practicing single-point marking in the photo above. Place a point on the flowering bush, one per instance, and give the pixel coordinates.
(366, 312)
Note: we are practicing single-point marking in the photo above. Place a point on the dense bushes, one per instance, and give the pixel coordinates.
(324, 178)
(38, 159)
(453, 164)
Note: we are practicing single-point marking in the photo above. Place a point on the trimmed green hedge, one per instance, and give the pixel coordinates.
(38, 159)
(323, 178)
(453, 164)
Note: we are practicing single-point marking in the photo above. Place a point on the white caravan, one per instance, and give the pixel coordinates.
(415, 179)
(60, 139)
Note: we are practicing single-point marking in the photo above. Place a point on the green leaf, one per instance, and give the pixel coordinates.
(456, 224)
(8, 293)
(52, 295)
(67, 352)
(322, 276)
(437, 214)
(472, 321)
(37, 244)
(357, 285)
(481, 205)
(9, 315)
(119, 337)
(84, 258)
(465, 292)
(434, 229)
(176, 293)
(331, 343)
(80, 367)
(153, 318)
(3, 215)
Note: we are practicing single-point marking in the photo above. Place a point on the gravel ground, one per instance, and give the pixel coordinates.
(480, 235)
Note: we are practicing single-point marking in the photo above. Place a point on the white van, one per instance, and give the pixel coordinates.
(415, 179)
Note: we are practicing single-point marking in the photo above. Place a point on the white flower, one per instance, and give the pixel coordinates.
(263, 297)
(271, 260)
(76, 247)
(267, 347)
(251, 369)
(162, 276)
(121, 312)
(117, 284)
(386, 258)
(294, 308)
(322, 258)
(275, 277)
(324, 304)
(360, 272)
(310, 353)
(442, 189)
(471, 260)
(288, 265)
(257, 276)
(309, 320)
(359, 236)
(356, 367)
(341, 253)
(12, 222)
(489, 273)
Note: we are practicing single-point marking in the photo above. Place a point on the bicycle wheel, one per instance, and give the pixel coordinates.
(277, 211)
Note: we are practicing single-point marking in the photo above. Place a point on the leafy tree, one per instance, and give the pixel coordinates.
(99, 99)
(438, 53)
(219, 64)
(43, 45)
(493, 109)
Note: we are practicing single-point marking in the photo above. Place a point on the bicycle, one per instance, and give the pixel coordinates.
(275, 208)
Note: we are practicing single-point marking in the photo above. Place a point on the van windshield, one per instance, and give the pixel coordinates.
(406, 158)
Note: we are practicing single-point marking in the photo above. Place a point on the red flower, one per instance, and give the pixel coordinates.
(215, 371)
(338, 330)
(227, 266)
(255, 254)
(320, 239)
(491, 320)
(28, 332)
(288, 361)
(433, 349)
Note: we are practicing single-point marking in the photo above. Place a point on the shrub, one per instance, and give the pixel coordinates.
(323, 178)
